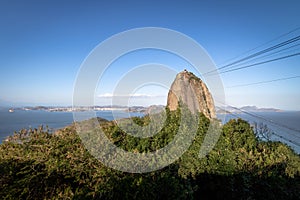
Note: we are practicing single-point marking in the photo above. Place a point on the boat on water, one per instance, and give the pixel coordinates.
(11, 110)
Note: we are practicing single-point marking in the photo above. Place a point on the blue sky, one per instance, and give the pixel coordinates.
(43, 44)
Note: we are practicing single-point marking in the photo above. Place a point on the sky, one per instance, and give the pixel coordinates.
(44, 44)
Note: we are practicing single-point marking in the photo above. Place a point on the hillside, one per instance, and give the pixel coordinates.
(37, 165)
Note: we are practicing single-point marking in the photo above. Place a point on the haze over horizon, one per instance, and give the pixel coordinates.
(43, 45)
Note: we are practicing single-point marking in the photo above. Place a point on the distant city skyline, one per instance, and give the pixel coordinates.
(43, 45)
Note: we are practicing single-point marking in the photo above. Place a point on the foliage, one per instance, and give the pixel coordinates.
(35, 164)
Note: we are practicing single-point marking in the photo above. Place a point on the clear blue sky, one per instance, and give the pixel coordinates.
(43, 44)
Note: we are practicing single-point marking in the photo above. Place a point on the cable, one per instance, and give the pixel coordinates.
(268, 55)
(264, 51)
(268, 42)
(255, 64)
(257, 53)
(262, 82)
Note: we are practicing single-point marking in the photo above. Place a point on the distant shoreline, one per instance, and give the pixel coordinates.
(226, 109)
(141, 109)
(236, 110)
(79, 109)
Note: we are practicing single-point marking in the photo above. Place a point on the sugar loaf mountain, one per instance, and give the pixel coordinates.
(191, 91)
(37, 164)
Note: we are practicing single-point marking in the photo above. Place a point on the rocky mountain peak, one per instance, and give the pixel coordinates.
(191, 91)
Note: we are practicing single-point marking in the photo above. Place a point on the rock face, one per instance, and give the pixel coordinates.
(191, 91)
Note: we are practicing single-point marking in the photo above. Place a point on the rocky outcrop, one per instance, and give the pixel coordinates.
(191, 91)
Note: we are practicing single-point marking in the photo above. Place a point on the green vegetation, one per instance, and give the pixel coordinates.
(35, 164)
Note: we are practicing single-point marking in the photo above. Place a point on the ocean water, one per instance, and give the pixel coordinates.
(19, 119)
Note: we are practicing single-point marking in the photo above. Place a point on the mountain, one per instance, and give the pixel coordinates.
(230, 109)
(191, 91)
(256, 109)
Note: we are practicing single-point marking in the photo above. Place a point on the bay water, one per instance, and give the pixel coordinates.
(25, 119)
